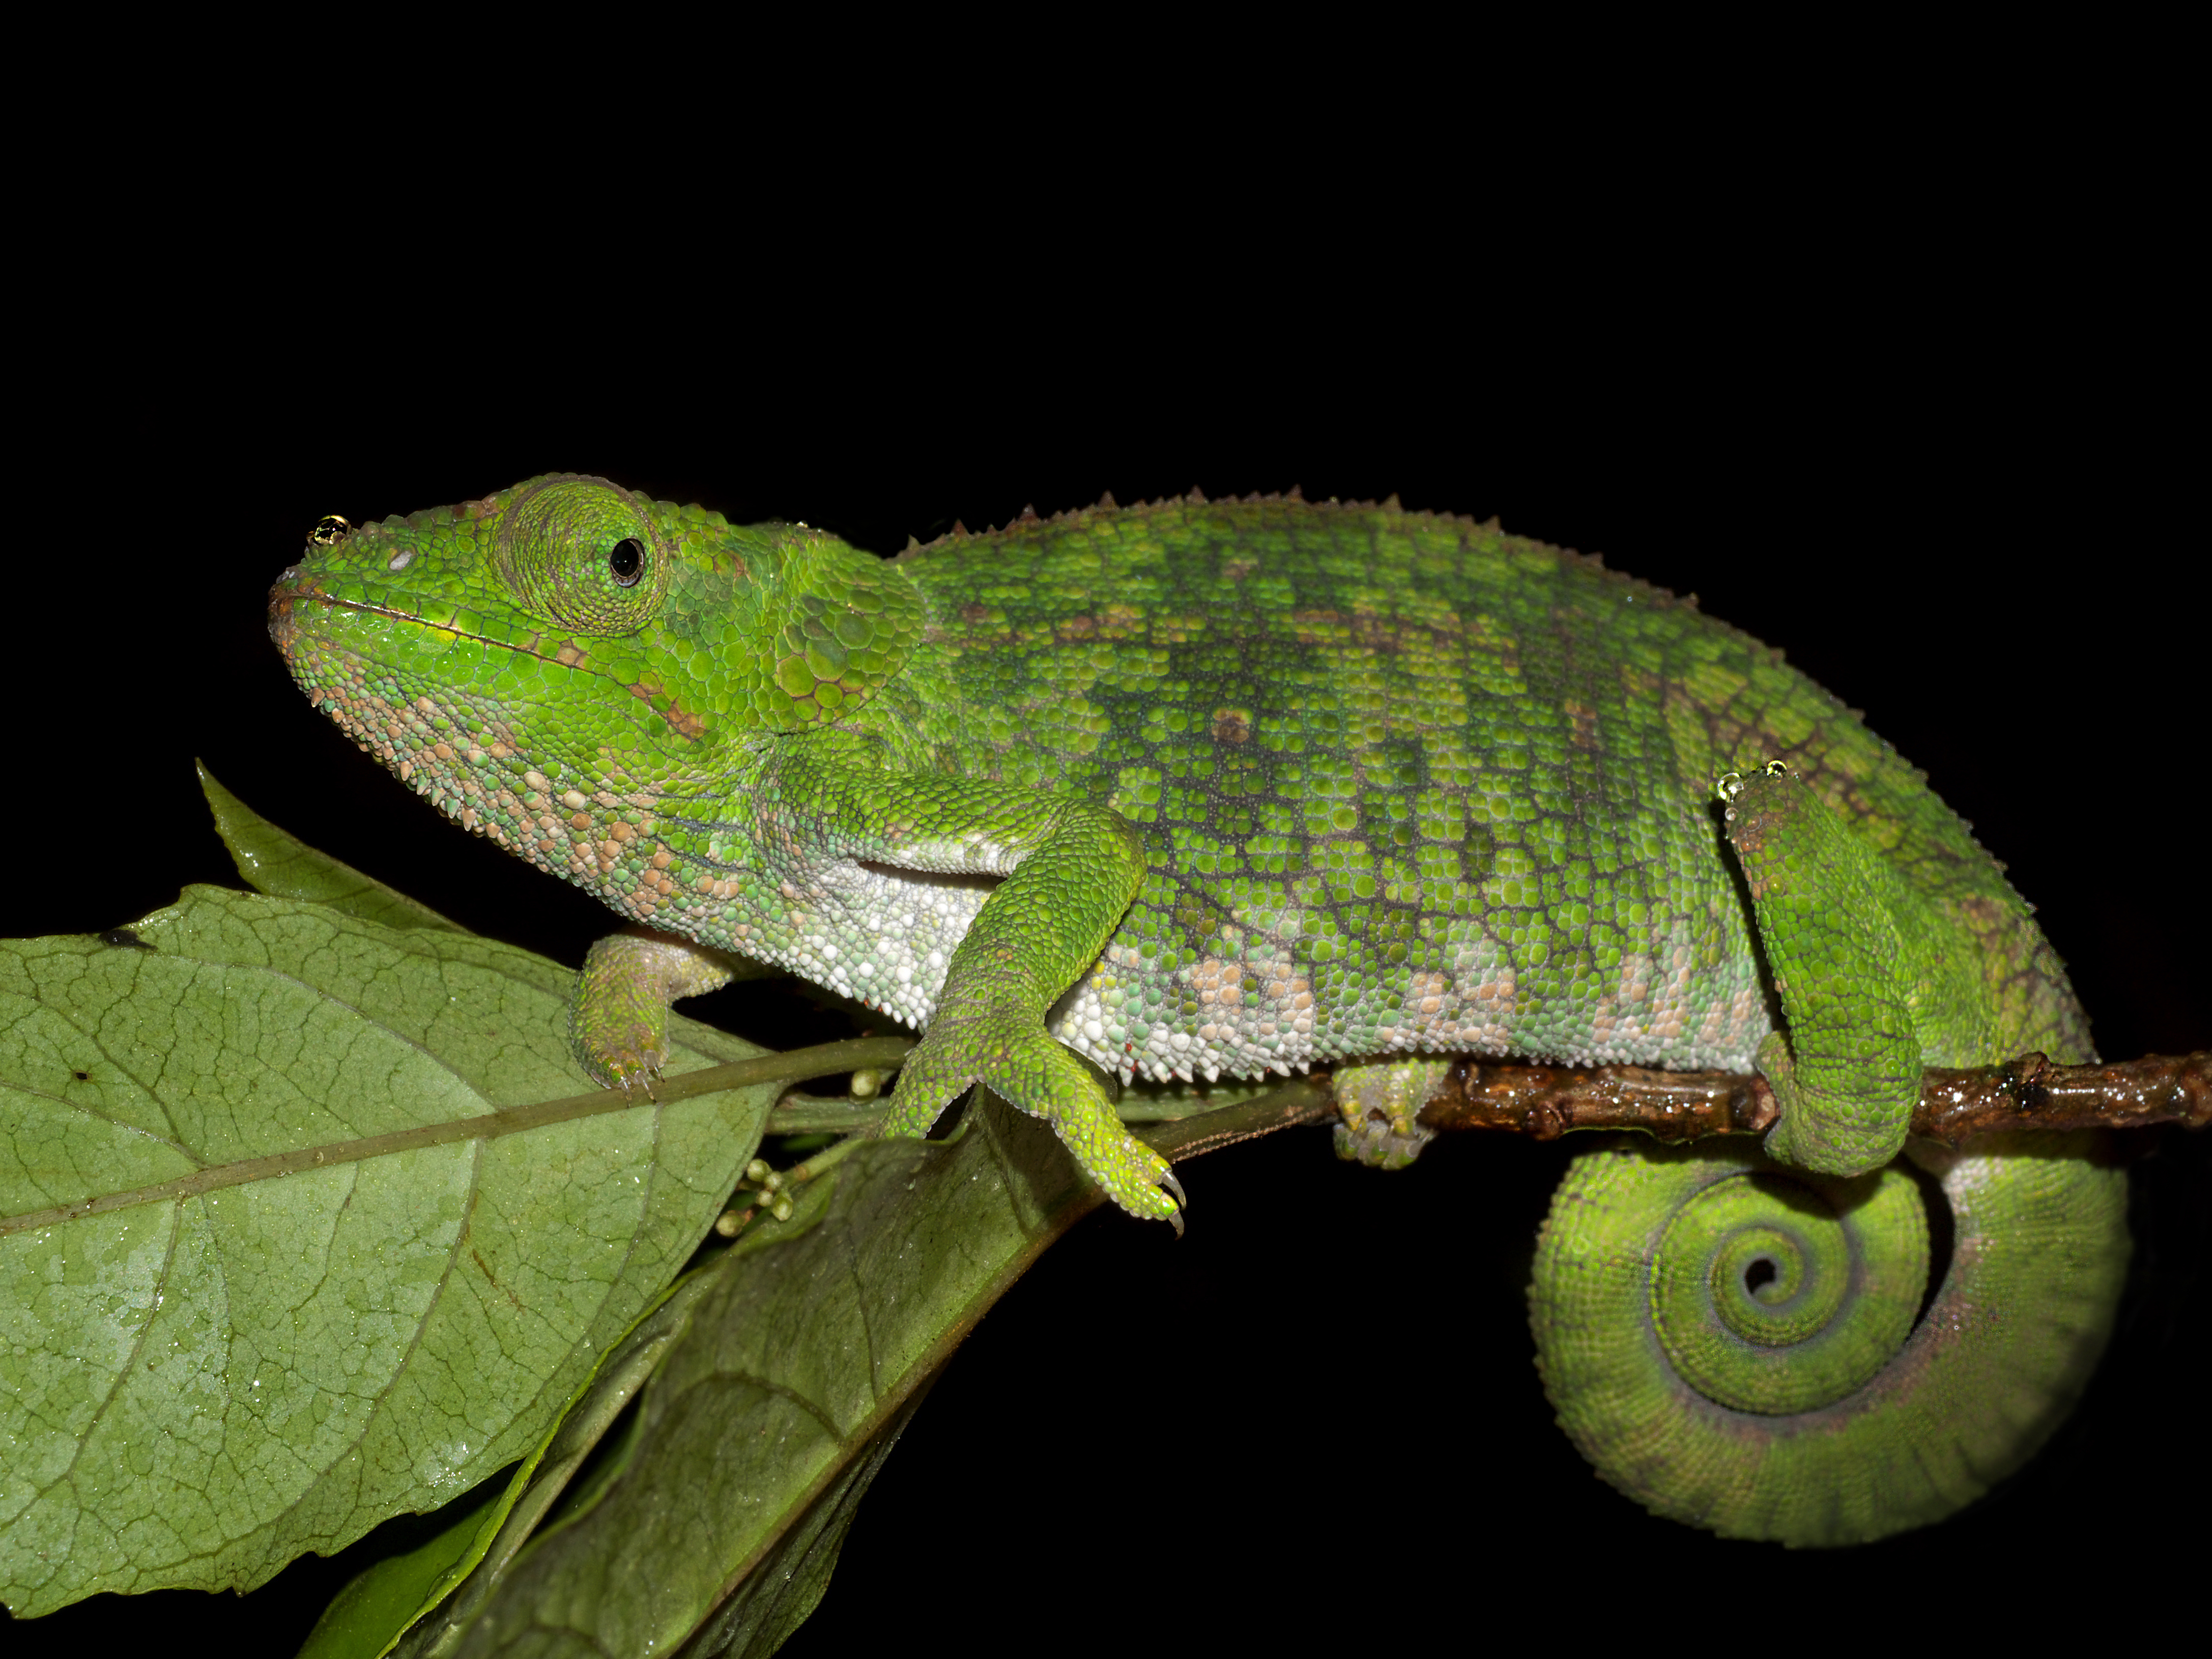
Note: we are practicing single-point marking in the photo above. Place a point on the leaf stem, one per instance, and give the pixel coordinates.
(824, 1060)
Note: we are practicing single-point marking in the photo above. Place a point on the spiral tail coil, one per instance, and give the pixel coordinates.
(1742, 1346)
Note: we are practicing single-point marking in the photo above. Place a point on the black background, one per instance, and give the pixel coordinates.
(1936, 459)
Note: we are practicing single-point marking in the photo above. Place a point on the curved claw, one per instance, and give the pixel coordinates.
(1182, 1202)
(1176, 1221)
(643, 1077)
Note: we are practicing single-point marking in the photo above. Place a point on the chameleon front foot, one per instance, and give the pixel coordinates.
(1010, 1054)
(618, 1023)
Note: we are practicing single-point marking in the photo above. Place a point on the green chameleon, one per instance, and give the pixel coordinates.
(1229, 788)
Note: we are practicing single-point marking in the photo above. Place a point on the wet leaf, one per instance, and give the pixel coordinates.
(276, 862)
(371, 1612)
(198, 1385)
(801, 1361)
(776, 1598)
(366, 1617)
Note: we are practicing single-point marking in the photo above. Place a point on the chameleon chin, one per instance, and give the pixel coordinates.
(1221, 789)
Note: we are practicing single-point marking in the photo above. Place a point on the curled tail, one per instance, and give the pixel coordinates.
(1752, 1349)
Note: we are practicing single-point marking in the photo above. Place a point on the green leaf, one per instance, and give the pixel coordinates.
(376, 1607)
(276, 862)
(199, 1380)
(370, 1614)
(800, 1365)
(788, 1583)
(571, 1443)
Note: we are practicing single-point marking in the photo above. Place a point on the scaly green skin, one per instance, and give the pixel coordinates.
(1190, 789)
(1832, 1426)
(1873, 984)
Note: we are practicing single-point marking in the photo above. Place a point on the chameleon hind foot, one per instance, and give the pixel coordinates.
(1007, 1051)
(1869, 990)
(1378, 1106)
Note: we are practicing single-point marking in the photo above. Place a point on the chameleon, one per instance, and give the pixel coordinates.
(1235, 788)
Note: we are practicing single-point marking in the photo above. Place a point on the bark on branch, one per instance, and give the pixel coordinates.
(2026, 1093)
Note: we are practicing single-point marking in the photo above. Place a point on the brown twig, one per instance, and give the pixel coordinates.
(2031, 1093)
(2026, 1093)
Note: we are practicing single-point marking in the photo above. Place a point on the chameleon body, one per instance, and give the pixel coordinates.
(1186, 791)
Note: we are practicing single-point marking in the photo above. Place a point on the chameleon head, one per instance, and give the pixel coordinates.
(472, 646)
(557, 659)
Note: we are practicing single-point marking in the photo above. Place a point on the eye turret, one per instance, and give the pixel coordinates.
(581, 552)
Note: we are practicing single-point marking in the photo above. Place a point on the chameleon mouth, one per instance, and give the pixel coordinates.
(292, 596)
(286, 602)
(296, 602)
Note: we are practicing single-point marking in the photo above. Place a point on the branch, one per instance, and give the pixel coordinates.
(2026, 1093)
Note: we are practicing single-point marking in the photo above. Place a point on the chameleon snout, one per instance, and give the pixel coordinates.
(283, 618)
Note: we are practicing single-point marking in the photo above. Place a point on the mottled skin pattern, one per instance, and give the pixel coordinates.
(1410, 785)
(1200, 788)
(1398, 784)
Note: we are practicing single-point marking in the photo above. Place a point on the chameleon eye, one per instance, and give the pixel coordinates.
(581, 554)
